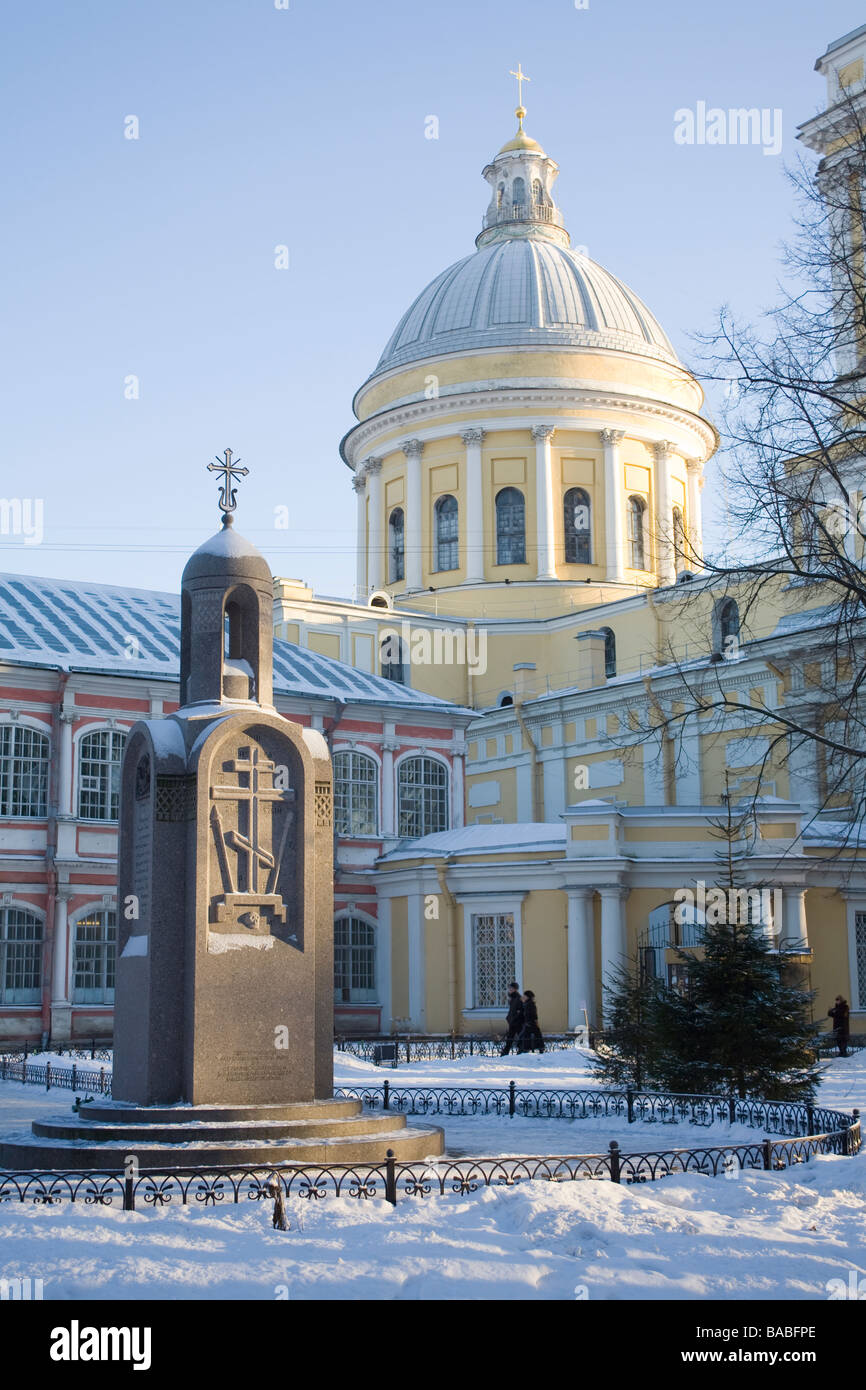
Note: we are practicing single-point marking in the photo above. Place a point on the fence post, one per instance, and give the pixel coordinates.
(129, 1194)
(48, 1074)
(511, 1098)
(408, 1047)
(849, 1134)
(614, 1160)
(767, 1147)
(74, 1075)
(629, 1100)
(452, 1044)
(390, 1178)
(471, 1045)
(92, 1049)
(810, 1119)
(732, 1109)
(386, 1094)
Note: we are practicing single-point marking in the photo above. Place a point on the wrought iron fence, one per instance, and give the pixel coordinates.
(80, 1051)
(74, 1078)
(439, 1047)
(650, 1107)
(416, 1178)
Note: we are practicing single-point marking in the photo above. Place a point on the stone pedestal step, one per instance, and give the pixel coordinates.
(117, 1112)
(408, 1143)
(199, 1131)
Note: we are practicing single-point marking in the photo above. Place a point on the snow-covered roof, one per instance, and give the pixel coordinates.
(112, 630)
(480, 839)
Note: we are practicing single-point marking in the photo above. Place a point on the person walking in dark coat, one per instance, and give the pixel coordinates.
(513, 1019)
(530, 1039)
(839, 1015)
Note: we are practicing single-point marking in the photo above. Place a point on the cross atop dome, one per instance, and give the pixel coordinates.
(521, 177)
(521, 78)
(228, 467)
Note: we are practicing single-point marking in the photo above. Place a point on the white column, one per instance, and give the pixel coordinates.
(383, 961)
(664, 514)
(695, 482)
(60, 971)
(687, 763)
(581, 957)
(359, 483)
(417, 964)
(614, 508)
(64, 789)
(458, 756)
(375, 536)
(474, 523)
(389, 748)
(613, 935)
(795, 934)
(412, 449)
(542, 434)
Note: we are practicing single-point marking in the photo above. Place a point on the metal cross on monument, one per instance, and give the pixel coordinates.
(230, 471)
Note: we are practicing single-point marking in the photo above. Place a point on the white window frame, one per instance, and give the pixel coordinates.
(346, 915)
(368, 753)
(90, 909)
(449, 779)
(17, 905)
(488, 905)
(35, 726)
(81, 734)
(857, 1000)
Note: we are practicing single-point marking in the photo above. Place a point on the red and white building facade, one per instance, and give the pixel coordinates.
(398, 764)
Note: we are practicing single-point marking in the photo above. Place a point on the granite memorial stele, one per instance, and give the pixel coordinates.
(224, 991)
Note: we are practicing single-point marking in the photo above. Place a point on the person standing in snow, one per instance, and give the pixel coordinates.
(530, 1038)
(514, 1018)
(839, 1015)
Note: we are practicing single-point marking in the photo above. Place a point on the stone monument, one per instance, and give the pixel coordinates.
(224, 989)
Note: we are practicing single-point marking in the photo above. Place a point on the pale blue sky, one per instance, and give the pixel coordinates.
(305, 127)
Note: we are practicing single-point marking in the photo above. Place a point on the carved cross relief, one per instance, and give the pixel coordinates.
(251, 822)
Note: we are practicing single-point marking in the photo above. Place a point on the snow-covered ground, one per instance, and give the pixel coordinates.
(757, 1236)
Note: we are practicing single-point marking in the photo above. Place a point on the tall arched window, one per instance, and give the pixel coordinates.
(93, 958)
(356, 793)
(20, 956)
(609, 652)
(726, 624)
(537, 191)
(354, 961)
(422, 792)
(24, 755)
(510, 527)
(392, 656)
(447, 534)
(396, 546)
(679, 536)
(518, 193)
(100, 756)
(500, 193)
(637, 533)
(577, 520)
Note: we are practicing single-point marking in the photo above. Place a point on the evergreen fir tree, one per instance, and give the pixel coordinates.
(749, 1030)
(742, 1025)
(628, 1060)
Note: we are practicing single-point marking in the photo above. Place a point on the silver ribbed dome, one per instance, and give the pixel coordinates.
(524, 292)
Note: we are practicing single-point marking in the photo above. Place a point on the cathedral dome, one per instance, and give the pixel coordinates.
(524, 291)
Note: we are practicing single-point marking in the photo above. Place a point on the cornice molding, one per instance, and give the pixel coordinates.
(428, 412)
